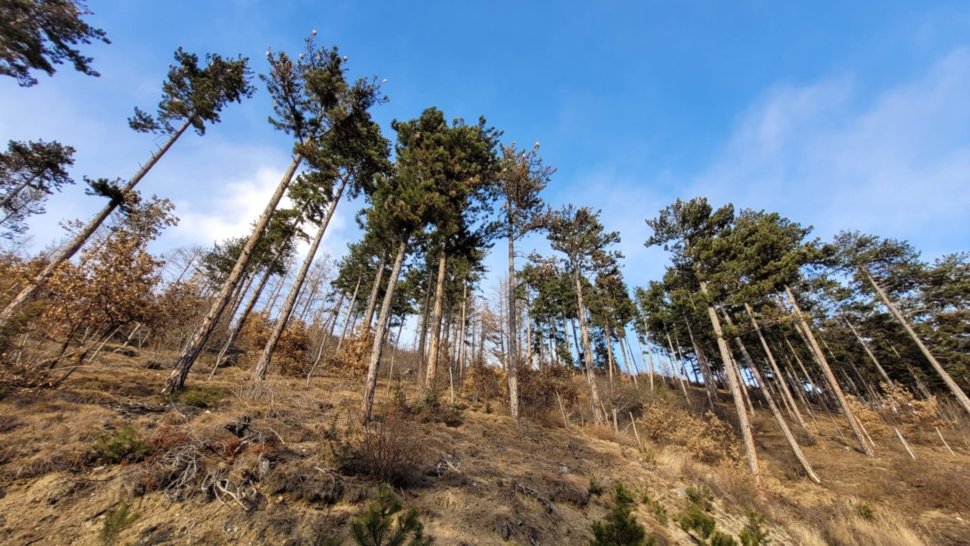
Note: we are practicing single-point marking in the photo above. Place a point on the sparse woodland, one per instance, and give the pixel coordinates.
(771, 387)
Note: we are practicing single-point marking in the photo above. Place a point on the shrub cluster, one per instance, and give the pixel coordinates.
(707, 439)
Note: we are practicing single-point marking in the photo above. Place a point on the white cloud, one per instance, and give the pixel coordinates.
(896, 163)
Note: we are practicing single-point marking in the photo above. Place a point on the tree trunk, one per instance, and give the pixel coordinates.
(259, 372)
(954, 388)
(276, 293)
(827, 371)
(702, 361)
(673, 368)
(785, 391)
(241, 321)
(609, 355)
(792, 442)
(70, 249)
(733, 381)
(184, 363)
(373, 367)
(350, 314)
(648, 356)
(462, 333)
(425, 315)
(598, 417)
(431, 366)
(513, 361)
(372, 299)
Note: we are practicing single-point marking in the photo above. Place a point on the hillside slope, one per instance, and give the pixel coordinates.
(106, 459)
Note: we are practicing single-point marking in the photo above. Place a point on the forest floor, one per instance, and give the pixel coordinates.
(106, 459)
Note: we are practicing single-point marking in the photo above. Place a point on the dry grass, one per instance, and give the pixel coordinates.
(264, 453)
(854, 527)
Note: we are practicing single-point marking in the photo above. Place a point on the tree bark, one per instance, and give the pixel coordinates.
(954, 388)
(241, 321)
(259, 371)
(598, 417)
(785, 391)
(676, 355)
(350, 314)
(373, 367)
(372, 299)
(431, 365)
(733, 381)
(70, 249)
(513, 364)
(462, 333)
(792, 442)
(702, 361)
(191, 352)
(827, 371)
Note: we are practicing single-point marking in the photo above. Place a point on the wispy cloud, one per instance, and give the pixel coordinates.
(895, 162)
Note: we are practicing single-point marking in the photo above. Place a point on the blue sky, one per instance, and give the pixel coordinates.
(836, 114)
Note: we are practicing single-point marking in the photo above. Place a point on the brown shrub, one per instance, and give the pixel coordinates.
(293, 350)
(391, 451)
(905, 409)
(352, 358)
(708, 439)
(538, 388)
(484, 383)
(868, 417)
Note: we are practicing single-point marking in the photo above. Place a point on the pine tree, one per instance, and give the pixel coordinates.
(311, 98)
(521, 178)
(191, 96)
(29, 173)
(579, 235)
(38, 34)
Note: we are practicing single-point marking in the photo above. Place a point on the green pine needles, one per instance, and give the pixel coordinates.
(383, 524)
(620, 528)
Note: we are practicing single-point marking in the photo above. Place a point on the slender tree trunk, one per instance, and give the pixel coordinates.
(314, 288)
(238, 297)
(950, 383)
(373, 367)
(241, 321)
(579, 351)
(676, 355)
(609, 355)
(827, 371)
(648, 356)
(425, 316)
(372, 299)
(705, 370)
(733, 381)
(350, 314)
(513, 363)
(259, 372)
(182, 366)
(431, 366)
(792, 442)
(598, 417)
(70, 249)
(776, 371)
(276, 293)
(462, 333)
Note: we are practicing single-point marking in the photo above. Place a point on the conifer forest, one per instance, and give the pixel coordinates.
(479, 365)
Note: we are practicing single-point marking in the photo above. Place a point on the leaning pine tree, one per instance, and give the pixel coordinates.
(192, 95)
(353, 158)
(311, 97)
